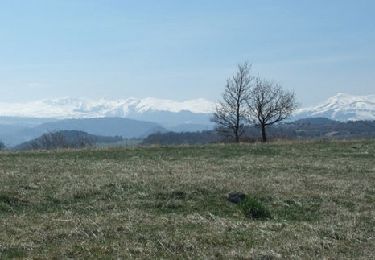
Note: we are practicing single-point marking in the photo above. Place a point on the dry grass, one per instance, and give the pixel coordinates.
(171, 202)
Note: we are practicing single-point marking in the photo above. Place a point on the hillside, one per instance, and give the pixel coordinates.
(65, 139)
(316, 201)
(126, 128)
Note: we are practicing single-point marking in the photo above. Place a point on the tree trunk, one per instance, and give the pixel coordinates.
(237, 138)
(238, 121)
(264, 135)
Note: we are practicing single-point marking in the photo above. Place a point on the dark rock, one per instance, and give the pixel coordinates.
(236, 197)
(178, 195)
(290, 202)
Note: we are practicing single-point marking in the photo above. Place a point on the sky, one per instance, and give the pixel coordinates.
(178, 49)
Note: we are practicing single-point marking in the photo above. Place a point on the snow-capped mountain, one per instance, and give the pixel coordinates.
(135, 118)
(129, 118)
(342, 107)
(86, 108)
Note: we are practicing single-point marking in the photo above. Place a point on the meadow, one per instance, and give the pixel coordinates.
(171, 202)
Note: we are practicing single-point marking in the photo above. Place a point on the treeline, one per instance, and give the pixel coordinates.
(313, 128)
(326, 128)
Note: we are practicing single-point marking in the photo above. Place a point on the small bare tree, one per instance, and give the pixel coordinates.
(230, 115)
(2, 146)
(269, 104)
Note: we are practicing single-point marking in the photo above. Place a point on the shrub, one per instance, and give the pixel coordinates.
(253, 208)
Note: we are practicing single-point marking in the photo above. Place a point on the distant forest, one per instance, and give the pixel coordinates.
(66, 139)
(312, 128)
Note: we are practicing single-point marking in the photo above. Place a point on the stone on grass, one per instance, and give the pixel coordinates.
(236, 197)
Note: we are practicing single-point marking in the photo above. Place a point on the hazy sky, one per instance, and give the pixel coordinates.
(181, 49)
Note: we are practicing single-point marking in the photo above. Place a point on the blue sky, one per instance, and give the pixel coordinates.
(183, 49)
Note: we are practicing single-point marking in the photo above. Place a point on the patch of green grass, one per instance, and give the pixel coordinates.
(255, 209)
(12, 253)
(199, 201)
(10, 203)
(307, 210)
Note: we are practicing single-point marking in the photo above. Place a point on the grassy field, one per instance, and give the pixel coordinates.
(172, 202)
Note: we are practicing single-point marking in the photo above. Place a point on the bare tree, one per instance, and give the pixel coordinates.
(2, 146)
(230, 115)
(269, 104)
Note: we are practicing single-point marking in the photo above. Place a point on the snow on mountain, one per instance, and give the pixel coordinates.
(86, 108)
(342, 107)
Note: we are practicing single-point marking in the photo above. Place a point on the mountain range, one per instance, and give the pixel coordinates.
(342, 107)
(136, 118)
(86, 108)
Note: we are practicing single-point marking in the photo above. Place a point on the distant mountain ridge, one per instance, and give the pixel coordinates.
(189, 114)
(137, 118)
(170, 113)
(86, 108)
(342, 107)
(124, 127)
